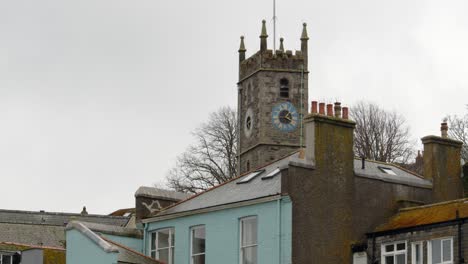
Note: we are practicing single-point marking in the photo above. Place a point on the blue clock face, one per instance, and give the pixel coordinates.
(284, 117)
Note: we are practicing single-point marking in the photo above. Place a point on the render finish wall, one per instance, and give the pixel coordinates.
(222, 233)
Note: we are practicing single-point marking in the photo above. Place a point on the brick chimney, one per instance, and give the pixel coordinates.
(442, 165)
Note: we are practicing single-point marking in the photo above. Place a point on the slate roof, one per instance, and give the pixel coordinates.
(153, 192)
(426, 214)
(373, 170)
(45, 228)
(232, 192)
(57, 219)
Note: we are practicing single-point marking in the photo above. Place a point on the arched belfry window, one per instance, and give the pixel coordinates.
(284, 88)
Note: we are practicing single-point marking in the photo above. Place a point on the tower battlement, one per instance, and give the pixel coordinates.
(266, 59)
(287, 61)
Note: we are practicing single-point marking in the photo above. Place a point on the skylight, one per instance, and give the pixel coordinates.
(271, 174)
(387, 170)
(250, 177)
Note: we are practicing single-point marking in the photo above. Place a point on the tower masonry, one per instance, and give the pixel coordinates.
(272, 100)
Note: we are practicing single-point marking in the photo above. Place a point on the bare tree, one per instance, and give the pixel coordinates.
(458, 129)
(381, 135)
(212, 159)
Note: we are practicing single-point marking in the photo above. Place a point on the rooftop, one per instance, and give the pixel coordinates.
(266, 182)
(425, 215)
(57, 219)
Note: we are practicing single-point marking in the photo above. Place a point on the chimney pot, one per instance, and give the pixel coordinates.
(338, 109)
(444, 129)
(322, 108)
(314, 107)
(345, 113)
(329, 109)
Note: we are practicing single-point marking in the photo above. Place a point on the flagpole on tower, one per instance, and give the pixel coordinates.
(274, 26)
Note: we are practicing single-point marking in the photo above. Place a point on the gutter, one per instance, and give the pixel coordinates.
(213, 208)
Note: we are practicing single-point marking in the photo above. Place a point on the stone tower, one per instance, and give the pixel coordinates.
(272, 99)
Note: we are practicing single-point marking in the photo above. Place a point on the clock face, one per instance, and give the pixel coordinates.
(248, 122)
(285, 117)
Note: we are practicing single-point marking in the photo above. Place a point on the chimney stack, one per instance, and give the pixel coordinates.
(329, 149)
(313, 109)
(338, 109)
(345, 113)
(322, 108)
(442, 165)
(444, 129)
(329, 110)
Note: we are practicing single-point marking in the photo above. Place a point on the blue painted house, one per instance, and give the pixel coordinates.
(246, 220)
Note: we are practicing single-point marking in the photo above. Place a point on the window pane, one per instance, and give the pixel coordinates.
(447, 249)
(163, 254)
(389, 248)
(153, 241)
(153, 254)
(389, 260)
(249, 255)
(198, 240)
(6, 259)
(200, 259)
(436, 254)
(163, 238)
(172, 256)
(249, 231)
(400, 246)
(417, 254)
(400, 259)
(172, 237)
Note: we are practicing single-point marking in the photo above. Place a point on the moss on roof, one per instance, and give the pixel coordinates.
(427, 214)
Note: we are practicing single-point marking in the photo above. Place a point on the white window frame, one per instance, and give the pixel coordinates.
(155, 241)
(191, 242)
(242, 247)
(1, 258)
(429, 250)
(413, 251)
(383, 253)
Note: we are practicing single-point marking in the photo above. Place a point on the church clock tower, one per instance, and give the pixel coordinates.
(272, 99)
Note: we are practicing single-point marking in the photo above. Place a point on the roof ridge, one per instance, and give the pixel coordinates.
(224, 183)
(60, 213)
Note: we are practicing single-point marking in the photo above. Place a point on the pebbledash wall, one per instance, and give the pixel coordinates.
(222, 233)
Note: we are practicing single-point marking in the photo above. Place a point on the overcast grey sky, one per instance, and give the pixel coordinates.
(97, 97)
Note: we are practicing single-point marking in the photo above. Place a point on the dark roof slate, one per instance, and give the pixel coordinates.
(232, 192)
(57, 219)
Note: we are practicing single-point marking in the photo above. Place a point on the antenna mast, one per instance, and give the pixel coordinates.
(274, 26)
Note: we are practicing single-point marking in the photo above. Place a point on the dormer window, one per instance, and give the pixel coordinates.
(284, 88)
